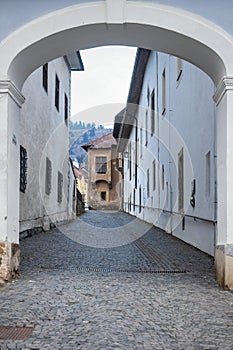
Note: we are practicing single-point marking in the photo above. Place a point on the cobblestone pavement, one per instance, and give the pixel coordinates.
(135, 296)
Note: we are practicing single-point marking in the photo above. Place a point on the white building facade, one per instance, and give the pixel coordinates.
(170, 152)
(198, 32)
(47, 182)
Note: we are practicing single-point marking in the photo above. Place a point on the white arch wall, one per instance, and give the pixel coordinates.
(138, 23)
(14, 15)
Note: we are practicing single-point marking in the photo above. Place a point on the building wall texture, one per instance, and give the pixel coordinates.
(175, 133)
(45, 135)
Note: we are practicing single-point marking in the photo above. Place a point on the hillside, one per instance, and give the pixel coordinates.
(81, 133)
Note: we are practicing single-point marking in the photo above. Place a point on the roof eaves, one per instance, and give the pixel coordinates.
(140, 64)
(74, 61)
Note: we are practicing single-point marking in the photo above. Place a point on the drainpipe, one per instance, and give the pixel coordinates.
(215, 175)
(157, 112)
(169, 135)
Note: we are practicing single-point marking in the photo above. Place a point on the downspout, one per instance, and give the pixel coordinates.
(157, 112)
(170, 161)
(215, 176)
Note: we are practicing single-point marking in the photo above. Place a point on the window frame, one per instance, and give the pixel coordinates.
(59, 186)
(164, 92)
(148, 182)
(45, 69)
(152, 112)
(154, 174)
(163, 177)
(66, 109)
(57, 93)
(48, 176)
(23, 169)
(101, 162)
(103, 198)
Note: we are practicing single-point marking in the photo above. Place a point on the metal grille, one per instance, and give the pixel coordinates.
(59, 186)
(48, 176)
(23, 169)
(15, 333)
(97, 269)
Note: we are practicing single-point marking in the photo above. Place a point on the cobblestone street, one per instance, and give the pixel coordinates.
(154, 292)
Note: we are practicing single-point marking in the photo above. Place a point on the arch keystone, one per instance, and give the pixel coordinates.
(115, 11)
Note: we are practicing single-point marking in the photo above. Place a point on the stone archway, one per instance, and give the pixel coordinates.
(90, 24)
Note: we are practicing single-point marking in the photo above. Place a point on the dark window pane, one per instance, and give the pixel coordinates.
(66, 110)
(103, 196)
(45, 77)
(57, 92)
(101, 165)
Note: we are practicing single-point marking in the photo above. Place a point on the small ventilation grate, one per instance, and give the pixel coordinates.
(15, 333)
(96, 269)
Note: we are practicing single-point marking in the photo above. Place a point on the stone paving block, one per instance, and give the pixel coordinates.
(102, 307)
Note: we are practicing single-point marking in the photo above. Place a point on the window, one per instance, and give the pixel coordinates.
(66, 109)
(146, 127)
(207, 174)
(148, 95)
(57, 92)
(59, 186)
(179, 67)
(130, 161)
(164, 92)
(148, 182)
(152, 112)
(154, 174)
(23, 169)
(163, 177)
(134, 194)
(103, 196)
(45, 76)
(140, 142)
(48, 176)
(181, 180)
(167, 194)
(101, 165)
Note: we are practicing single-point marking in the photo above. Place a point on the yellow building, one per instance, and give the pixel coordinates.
(104, 179)
(81, 175)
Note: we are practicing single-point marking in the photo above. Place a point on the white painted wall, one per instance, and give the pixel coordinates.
(189, 123)
(14, 15)
(44, 133)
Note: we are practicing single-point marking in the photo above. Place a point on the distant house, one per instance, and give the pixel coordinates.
(81, 175)
(104, 179)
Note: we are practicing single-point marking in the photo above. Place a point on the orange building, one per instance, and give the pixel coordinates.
(104, 179)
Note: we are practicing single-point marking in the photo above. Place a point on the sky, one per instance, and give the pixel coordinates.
(101, 91)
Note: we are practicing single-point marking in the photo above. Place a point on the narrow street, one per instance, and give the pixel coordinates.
(99, 283)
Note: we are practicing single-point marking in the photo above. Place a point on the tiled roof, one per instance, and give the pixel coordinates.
(105, 141)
